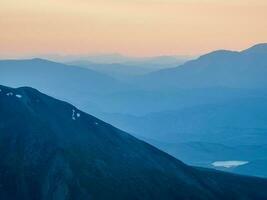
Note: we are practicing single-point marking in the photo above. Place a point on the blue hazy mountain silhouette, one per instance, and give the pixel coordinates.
(124, 68)
(244, 69)
(48, 74)
(117, 70)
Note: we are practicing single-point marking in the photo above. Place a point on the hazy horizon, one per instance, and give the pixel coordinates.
(65, 56)
(107, 54)
(133, 28)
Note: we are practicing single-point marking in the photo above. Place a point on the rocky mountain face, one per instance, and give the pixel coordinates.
(51, 150)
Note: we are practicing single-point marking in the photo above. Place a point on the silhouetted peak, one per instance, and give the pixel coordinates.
(218, 54)
(258, 48)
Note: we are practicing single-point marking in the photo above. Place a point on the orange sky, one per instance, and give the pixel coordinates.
(130, 27)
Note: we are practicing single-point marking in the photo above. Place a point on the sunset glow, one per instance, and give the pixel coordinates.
(131, 27)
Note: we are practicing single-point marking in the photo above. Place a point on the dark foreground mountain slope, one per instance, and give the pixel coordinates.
(51, 150)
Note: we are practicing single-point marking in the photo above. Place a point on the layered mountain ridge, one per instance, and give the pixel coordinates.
(222, 68)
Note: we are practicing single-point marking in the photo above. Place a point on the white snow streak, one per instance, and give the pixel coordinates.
(229, 164)
(19, 96)
(75, 114)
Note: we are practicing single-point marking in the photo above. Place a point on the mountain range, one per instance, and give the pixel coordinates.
(125, 68)
(217, 100)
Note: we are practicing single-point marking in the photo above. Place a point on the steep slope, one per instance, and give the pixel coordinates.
(51, 150)
(245, 69)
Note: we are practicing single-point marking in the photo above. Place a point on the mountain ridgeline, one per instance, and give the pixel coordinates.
(222, 68)
(51, 150)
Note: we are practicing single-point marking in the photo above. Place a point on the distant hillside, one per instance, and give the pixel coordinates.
(116, 70)
(51, 150)
(245, 69)
(72, 83)
(51, 75)
(235, 122)
(125, 68)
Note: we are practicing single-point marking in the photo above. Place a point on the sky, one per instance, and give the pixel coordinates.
(130, 27)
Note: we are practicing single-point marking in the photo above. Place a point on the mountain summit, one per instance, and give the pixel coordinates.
(222, 68)
(51, 150)
(258, 48)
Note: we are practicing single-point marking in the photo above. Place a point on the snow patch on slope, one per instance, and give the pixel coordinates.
(229, 164)
(19, 96)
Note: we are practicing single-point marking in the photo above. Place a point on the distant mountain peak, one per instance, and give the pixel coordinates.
(41, 60)
(38, 59)
(258, 48)
(218, 54)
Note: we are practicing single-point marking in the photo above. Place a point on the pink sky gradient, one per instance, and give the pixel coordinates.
(130, 27)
